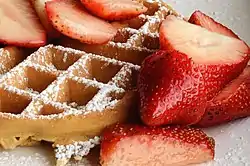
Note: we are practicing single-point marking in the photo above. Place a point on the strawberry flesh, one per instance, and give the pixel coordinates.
(115, 10)
(139, 145)
(220, 58)
(70, 18)
(19, 24)
(231, 103)
(39, 6)
(203, 20)
(171, 90)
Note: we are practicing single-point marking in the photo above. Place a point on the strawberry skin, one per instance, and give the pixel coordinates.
(19, 24)
(39, 6)
(203, 20)
(140, 145)
(218, 76)
(231, 103)
(171, 90)
(115, 10)
(70, 18)
(220, 58)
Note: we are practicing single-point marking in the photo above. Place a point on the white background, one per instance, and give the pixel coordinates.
(232, 140)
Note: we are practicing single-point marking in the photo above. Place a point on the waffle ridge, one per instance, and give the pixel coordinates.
(67, 94)
(10, 57)
(63, 86)
(136, 38)
(54, 78)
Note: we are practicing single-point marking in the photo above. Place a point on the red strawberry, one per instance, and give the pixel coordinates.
(171, 90)
(210, 24)
(115, 10)
(221, 58)
(70, 18)
(19, 24)
(39, 6)
(232, 102)
(139, 145)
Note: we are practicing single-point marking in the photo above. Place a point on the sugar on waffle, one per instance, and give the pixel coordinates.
(67, 97)
(59, 94)
(10, 57)
(136, 38)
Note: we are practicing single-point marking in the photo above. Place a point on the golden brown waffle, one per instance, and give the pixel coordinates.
(67, 97)
(10, 57)
(64, 96)
(136, 38)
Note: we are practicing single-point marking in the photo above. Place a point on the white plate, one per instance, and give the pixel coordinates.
(232, 140)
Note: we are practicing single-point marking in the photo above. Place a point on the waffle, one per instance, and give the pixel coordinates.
(136, 38)
(10, 57)
(66, 97)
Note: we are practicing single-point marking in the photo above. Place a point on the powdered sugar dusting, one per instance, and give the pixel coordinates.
(102, 100)
(71, 69)
(123, 78)
(68, 65)
(148, 29)
(51, 92)
(54, 101)
(9, 57)
(76, 149)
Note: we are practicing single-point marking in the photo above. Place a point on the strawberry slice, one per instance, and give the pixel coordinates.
(115, 10)
(221, 58)
(210, 24)
(19, 24)
(231, 103)
(70, 18)
(39, 6)
(171, 89)
(139, 145)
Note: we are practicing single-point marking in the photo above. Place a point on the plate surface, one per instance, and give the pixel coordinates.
(232, 140)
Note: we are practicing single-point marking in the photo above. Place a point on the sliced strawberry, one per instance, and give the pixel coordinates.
(221, 58)
(115, 10)
(232, 102)
(210, 24)
(39, 6)
(139, 145)
(171, 90)
(70, 18)
(19, 24)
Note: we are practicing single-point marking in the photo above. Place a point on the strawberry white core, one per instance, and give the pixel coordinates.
(151, 151)
(200, 44)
